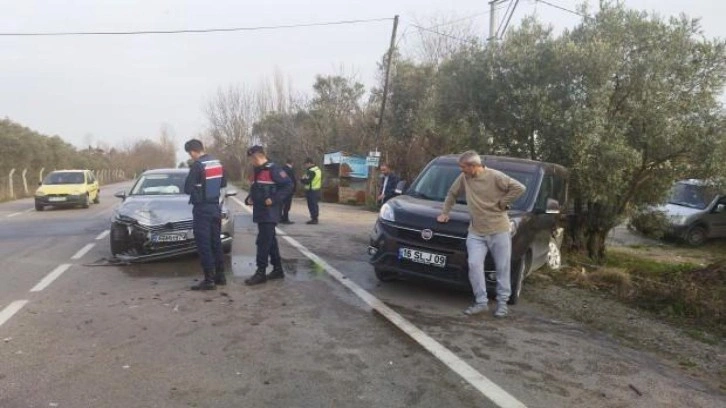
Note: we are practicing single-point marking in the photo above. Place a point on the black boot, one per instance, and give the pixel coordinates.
(277, 273)
(258, 278)
(207, 283)
(312, 222)
(204, 285)
(220, 278)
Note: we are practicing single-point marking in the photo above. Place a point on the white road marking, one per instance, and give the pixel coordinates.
(483, 384)
(82, 251)
(103, 235)
(10, 310)
(14, 214)
(49, 278)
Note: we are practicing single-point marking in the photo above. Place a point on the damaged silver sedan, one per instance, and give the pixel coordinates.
(154, 221)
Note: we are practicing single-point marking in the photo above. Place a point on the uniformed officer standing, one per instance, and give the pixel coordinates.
(204, 184)
(288, 203)
(270, 187)
(313, 181)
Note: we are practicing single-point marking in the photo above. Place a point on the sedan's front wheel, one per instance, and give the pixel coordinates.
(119, 239)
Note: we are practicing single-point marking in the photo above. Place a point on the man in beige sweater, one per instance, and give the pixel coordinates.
(488, 195)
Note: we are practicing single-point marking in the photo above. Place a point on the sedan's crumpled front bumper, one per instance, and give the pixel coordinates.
(150, 243)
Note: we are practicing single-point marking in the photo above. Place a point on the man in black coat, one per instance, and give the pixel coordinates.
(288, 203)
(270, 187)
(389, 180)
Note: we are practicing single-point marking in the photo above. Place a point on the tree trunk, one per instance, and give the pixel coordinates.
(596, 245)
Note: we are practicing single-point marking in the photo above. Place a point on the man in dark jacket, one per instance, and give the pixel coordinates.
(389, 180)
(204, 184)
(269, 188)
(288, 202)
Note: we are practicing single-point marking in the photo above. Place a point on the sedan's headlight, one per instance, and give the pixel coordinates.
(386, 213)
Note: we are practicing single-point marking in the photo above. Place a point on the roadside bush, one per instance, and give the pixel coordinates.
(649, 222)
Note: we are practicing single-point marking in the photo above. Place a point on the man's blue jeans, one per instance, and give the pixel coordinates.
(500, 246)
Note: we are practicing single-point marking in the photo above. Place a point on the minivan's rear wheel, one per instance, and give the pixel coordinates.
(518, 273)
(385, 276)
(97, 199)
(696, 235)
(87, 203)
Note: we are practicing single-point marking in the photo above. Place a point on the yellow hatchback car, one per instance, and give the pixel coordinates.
(68, 188)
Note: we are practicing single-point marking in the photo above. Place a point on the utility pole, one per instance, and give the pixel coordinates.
(385, 83)
(372, 176)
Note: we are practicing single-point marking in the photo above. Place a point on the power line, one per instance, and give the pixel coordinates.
(504, 30)
(445, 35)
(191, 31)
(564, 9)
(501, 23)
(458, 20)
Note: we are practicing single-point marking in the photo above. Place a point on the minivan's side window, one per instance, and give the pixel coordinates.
(560, 189)
(545, 192)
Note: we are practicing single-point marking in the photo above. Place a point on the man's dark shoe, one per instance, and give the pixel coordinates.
(204, 285)
(277, 273)
(256, 279)
(312, 222)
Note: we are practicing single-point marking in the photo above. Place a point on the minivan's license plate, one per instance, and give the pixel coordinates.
(422, 257)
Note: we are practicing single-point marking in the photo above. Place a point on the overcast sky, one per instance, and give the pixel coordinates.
(126, 88)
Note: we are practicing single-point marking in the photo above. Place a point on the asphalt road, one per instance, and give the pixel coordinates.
(135, 336)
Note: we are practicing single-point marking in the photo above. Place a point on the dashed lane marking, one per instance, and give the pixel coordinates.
(49, 278)
(82, 252)
(10, 310)
(484, 385)
(103, 235)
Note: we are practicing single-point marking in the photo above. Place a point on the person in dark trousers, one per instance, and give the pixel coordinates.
(288, 202)
(389, 180)
(203, 185)
(269, 189)
(313, 181)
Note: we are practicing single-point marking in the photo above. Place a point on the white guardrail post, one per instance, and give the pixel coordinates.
(40, 175)
(25, 181)
(10, 184)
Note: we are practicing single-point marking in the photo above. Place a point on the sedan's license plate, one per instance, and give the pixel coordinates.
(56, 199)
(426, 258)
(176, 237)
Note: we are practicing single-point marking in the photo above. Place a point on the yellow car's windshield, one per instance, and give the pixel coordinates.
(64, 178)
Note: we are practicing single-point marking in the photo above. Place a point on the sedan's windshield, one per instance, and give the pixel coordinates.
(691, 195)
(64, 177)
(157, 184)
(435, 182)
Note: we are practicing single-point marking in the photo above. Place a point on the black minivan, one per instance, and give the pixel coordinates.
(407, 241)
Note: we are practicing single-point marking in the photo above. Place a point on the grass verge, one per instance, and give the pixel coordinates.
(691, 295)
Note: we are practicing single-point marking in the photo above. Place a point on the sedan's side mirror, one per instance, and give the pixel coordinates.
(553, 206)
(40, 183)
(120, 194)
(400, 187)
(720, 208)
